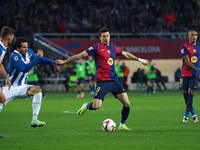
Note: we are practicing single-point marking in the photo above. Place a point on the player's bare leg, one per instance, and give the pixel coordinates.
(96, 104)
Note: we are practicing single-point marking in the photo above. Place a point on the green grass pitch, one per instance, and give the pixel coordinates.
(156, 122)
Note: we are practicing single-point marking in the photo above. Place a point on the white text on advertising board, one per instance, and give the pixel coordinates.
(141, 49)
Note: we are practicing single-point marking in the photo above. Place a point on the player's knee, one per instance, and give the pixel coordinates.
(96, 107)
(2, 100)
(191, 91)
(37, 89)
(34, 90)
(127, 104)
(148, 84)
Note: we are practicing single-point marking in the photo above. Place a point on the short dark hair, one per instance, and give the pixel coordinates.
(191, 31)
(5, 31)
(102, 30)
(18, 42)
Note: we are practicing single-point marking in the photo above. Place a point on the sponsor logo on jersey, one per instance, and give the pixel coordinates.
(110, 61)
(182, 51)
(194, 59)
(90, 48)
(16, 58)
(194, 50)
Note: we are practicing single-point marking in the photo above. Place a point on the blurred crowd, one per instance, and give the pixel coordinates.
(120, 16)
(77, 16)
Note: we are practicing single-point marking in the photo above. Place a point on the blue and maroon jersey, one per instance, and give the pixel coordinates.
(193, 51)
(104, 59)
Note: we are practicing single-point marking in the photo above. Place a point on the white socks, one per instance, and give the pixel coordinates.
(1, 107)
(121, 124)
(36, 104)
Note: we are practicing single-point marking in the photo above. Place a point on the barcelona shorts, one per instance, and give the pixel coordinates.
(151, 80)
(81, 80)
(91, 77)
(103, 87)
(188, 82)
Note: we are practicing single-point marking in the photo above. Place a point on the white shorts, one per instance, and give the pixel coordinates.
(15, 91)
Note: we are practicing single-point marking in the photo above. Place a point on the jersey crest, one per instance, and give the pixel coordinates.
(90, 48)
(182, 51)
(16, 58)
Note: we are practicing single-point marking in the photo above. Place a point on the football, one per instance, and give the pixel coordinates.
(109, 125)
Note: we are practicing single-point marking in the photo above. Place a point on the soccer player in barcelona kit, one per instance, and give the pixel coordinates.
(7, 35)
(20, 63)
(104, 54)
(190, 52)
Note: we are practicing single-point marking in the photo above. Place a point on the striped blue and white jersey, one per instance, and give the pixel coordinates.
(3, 51)
(19, 66)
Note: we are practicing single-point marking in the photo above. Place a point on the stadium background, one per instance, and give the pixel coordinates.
(63, 27)
(156, 120)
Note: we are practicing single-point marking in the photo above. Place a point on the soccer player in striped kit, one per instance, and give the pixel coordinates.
(190, 52)
(7, 36)
(104, 54)
(21, 60)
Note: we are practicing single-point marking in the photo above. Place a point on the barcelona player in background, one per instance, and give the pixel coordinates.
(190, 52)
(104, 54)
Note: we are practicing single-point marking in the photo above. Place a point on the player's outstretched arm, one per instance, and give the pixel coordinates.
(133, 57)
(75, 57)
(42, 60)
